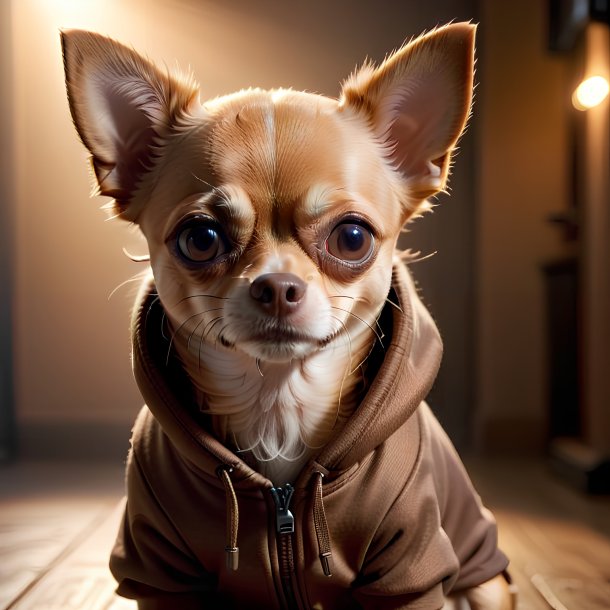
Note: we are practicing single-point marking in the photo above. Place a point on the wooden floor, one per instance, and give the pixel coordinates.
(57, 525)
(58, 521)
(558, 540)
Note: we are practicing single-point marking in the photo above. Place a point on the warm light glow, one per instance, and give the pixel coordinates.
(591, 92)
(86, 14)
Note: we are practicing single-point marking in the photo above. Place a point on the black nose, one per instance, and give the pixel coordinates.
(278, 294)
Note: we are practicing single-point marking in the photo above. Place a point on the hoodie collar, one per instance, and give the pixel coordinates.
(404, 379)
(168, 394)
(406, 370)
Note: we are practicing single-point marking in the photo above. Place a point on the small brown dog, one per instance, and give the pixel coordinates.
(280, 344)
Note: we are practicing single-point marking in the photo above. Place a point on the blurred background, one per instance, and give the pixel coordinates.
(519, 282)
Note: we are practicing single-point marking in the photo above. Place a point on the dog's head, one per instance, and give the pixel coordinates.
(272, 216)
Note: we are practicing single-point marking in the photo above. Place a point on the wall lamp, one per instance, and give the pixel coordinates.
(590, 93)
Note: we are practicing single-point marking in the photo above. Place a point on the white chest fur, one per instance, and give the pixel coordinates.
(277, 414)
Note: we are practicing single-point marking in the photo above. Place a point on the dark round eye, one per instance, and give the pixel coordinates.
(350, 242)
(201, 241)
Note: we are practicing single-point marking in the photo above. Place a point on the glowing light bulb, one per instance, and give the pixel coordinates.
(591, 92)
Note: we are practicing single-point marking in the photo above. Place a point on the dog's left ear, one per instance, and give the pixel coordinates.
(417, 103)
(123, 107)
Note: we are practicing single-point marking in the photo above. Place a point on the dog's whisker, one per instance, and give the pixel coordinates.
(210, 324)
(196, 314)
(379, 335)
(202, 295)
(220, 336)
(346, 375)
(137, 258)
(207, 329)
(150, 307)
(219, 191)
(360, 365)
(185, 322)
(258, 367)
(154, 301)
(356, 299)
(180, 327)
(204, 181)
(192, 334)
(136, 278)
(411, 258)
(395, 305)
(342, 324)
(163, 326)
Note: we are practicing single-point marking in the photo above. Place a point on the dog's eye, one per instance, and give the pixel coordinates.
(201, 242)
(350, 242)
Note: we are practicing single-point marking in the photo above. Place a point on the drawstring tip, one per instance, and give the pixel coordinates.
(326, 560)
(232, 555)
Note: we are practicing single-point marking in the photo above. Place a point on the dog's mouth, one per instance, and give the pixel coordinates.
(278, 342)
(280, 336)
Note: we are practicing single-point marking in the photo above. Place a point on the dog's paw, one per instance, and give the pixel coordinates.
(495, 594)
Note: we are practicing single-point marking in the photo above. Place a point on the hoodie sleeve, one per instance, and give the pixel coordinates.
(411, 559)
(150, 560)
(470, 527)
(436, 538)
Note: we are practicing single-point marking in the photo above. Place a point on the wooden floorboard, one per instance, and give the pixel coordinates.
(58, 522)
(81, 580)
(556, 537)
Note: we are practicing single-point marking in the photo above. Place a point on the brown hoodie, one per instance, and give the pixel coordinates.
(384, 518)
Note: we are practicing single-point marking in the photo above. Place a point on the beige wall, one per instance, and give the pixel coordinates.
(523, 177)
(71, 343)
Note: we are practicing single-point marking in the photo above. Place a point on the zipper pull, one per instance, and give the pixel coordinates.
(284, 519)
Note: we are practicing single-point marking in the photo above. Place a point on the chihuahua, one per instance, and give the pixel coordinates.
(279, 341)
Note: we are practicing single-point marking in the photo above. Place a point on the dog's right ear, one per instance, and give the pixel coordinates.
(123, 107)
(417, 103)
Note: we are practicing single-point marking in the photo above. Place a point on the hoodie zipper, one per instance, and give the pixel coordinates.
(284, 525)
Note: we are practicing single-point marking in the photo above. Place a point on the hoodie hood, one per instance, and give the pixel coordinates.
(385, 508)
(406, 368)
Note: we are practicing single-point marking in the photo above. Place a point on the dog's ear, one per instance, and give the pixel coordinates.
(122, 107)
(417, 103)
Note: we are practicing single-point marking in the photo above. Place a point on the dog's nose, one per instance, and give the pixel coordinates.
(278, 294)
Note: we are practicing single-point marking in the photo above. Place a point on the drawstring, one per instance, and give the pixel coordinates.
(321, 526)
(319, 519)
(231, 548)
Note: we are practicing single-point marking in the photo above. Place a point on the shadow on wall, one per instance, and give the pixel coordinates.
(7, 415)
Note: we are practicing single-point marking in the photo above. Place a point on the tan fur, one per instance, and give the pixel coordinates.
(281, 196)
(274, 155)
(278, 172)
(495, 594)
